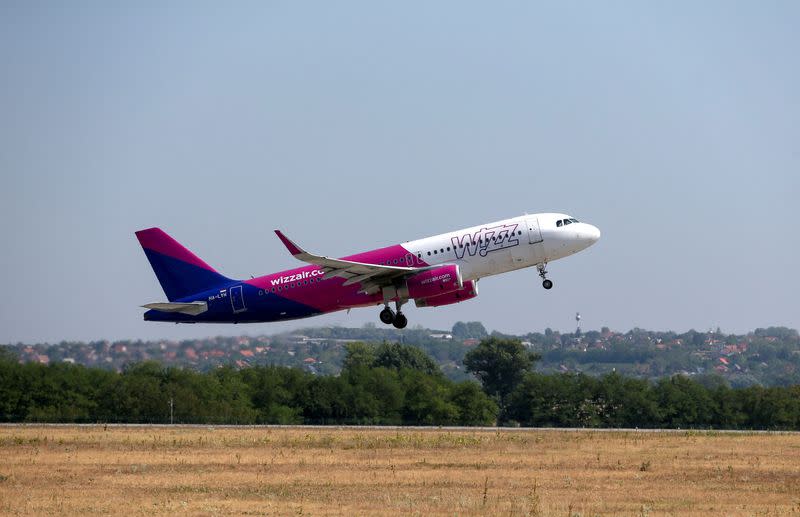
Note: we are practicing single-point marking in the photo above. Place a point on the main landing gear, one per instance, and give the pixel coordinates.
(389, 317)
(547, 284)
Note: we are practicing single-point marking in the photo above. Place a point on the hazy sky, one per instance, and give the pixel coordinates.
(674, 127)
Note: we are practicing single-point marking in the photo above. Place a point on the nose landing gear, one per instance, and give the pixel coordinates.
(547, 284)
(389, 317)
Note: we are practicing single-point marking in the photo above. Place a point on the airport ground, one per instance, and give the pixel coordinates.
(202, 470)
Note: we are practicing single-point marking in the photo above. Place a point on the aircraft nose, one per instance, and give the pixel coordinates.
(593, 233)
(590, 234)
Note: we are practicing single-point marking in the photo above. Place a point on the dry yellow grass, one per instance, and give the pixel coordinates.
(209, 471)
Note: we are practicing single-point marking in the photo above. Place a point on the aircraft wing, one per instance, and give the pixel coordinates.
(371, 276)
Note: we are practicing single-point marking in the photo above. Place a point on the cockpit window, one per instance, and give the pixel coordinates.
(574, 220)
(567, 221)
(559, 222)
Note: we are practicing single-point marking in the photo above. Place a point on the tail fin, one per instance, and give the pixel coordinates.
(180, 272)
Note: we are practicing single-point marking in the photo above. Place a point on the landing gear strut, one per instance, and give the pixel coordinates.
(390, 317)
(547, 284)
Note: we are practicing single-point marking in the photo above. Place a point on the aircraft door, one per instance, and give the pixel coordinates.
(534, 233)
(535, 240)
(237, 299)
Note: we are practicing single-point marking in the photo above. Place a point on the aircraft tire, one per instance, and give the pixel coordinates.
(387, 316)
(547, 284)
(400, 321)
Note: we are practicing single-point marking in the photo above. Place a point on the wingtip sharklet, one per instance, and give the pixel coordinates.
(293, 248)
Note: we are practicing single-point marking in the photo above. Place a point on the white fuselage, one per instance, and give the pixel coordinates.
(506, 245)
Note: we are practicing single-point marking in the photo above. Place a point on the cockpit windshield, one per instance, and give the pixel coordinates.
(564, 222)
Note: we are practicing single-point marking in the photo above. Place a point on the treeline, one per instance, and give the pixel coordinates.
(569, 400)
(388, 384)
(532, 399)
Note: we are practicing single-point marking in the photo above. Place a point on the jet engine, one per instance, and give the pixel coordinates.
(470, 290)
(433, 282)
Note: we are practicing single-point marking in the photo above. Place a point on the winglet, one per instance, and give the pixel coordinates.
(293, 248)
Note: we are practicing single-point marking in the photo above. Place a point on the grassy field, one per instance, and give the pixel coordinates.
(209, 471)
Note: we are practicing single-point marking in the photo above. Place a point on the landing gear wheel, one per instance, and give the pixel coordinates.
(400, 321)
(387, 316)
(542, 268)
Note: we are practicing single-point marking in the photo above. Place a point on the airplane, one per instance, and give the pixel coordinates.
(434, 271)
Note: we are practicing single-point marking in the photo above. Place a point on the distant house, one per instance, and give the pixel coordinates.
(309, 360)
(246, 353)
(441, 336)
(470, 342)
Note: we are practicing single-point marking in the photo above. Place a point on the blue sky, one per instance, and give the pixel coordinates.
(675, 128)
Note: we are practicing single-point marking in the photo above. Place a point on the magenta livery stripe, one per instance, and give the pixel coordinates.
(154, 239)
(329, 295)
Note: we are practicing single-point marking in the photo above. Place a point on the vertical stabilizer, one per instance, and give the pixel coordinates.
(180, 272)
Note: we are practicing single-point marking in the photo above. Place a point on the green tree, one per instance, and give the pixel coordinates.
(427, 400)
(474, 406)
(500, 365)
(358, 354)
(684, 403)
(396, 357)
(470, 329)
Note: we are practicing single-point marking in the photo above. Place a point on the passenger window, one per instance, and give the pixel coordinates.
(559, 222)
(435, 252)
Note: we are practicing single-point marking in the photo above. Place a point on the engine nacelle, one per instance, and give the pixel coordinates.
(433, 282)
(470, 290)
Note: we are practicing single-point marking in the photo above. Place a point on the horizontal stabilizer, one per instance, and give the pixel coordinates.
(190, 308)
